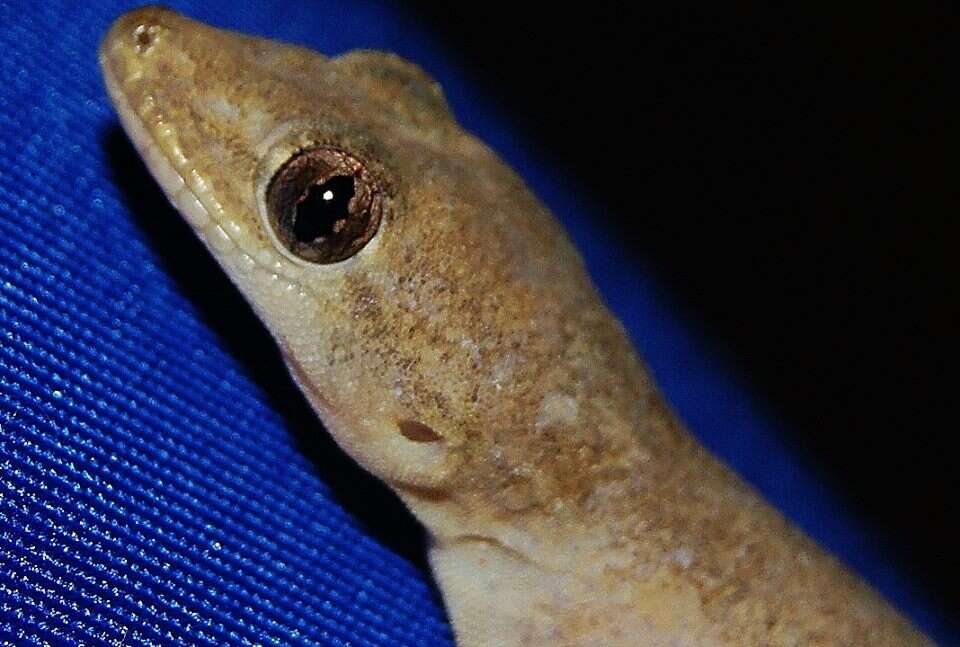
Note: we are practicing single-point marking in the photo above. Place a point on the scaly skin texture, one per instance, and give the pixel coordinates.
(464, 357)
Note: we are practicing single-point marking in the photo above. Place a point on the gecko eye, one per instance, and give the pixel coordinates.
(323, 205)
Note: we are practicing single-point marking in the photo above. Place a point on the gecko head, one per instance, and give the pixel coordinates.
(423, 299)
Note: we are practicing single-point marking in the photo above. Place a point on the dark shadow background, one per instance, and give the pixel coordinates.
(789, 176)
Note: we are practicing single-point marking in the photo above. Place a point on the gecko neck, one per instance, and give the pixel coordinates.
(555, 581)
(674, 564)
(497, 597)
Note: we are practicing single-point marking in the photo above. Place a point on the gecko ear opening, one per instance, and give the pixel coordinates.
(407, 453)
(418, 432)
(410, 454)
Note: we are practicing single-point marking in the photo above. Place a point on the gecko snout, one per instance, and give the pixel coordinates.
(138, 30)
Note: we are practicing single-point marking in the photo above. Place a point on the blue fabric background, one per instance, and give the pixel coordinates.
(161, 482)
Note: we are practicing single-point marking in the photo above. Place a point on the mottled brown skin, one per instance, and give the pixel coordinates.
(464, 357)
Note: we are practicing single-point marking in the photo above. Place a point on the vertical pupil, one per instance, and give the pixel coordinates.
(324, 209)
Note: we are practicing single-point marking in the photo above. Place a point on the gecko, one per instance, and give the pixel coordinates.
(445, 330)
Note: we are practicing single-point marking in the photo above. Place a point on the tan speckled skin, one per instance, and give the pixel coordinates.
(565, 504)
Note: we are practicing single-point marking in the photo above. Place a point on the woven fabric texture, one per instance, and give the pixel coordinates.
(161, 481)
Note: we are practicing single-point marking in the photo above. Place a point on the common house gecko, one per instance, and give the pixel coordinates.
(444, 329)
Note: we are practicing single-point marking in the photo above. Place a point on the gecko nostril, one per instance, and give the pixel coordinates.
(418, 432)
(143, 37)
(323, 205)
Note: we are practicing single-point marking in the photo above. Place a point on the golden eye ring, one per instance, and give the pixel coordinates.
(324, 205)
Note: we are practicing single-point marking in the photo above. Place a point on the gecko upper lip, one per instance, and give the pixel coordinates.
(127, 76)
